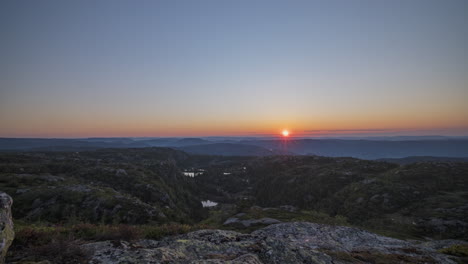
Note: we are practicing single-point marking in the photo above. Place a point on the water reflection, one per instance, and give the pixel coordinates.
(209, 203)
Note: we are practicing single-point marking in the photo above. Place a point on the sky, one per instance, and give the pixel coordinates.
(246, 67)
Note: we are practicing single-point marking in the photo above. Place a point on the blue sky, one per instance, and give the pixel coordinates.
(165, 68)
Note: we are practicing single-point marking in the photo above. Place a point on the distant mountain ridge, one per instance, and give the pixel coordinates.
(368, 149)
(414, 159)
(357, 148)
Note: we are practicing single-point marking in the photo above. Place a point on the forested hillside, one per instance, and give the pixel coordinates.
(144, 186)
(104, 186)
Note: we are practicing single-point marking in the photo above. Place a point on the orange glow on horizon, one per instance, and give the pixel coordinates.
(297, 126)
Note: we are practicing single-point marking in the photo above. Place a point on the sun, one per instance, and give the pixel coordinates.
(285, 133)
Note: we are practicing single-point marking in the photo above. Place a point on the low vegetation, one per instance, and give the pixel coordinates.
(60, 243)
(63, 199)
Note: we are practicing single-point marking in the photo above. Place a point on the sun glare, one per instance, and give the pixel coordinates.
(285, 133)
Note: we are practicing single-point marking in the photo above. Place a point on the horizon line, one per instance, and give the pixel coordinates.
(244, 136)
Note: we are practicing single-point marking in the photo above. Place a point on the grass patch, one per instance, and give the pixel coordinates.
(298, 216)
(33, 235)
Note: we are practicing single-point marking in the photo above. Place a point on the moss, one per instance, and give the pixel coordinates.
(456, 250)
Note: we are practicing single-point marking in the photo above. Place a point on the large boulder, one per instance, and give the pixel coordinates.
(282, 243)
(6, 224)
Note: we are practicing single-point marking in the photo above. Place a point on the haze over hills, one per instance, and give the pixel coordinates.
(358, 148)
(231, 149)
(370, 149)
(409, 160)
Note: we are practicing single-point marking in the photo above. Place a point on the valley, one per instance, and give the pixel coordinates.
(146, 193)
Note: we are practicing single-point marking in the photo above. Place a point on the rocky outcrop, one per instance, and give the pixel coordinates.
(6, 224)
(298, 242)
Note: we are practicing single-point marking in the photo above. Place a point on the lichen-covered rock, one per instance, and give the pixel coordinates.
(6, 224)
(296, 242)
(282, 243)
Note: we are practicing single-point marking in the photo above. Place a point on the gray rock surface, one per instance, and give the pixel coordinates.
(298, 242)
(6, 225)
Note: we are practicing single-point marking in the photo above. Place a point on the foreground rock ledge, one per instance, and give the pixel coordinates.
(6, 225)
(281, 243)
